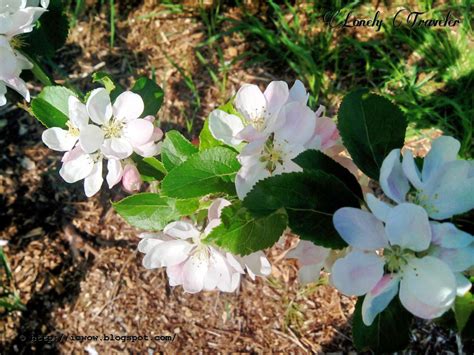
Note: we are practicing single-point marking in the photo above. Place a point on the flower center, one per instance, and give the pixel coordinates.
(113, 129)
(396, 258)
(271, 155)
(17, 42)
(420, 198)
(72, 130)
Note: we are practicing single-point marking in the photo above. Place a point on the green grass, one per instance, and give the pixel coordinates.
(426, 71)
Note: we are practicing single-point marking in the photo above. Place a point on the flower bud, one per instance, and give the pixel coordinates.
(131, 179)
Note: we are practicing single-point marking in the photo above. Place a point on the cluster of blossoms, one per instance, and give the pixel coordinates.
(193, 263)
(16, 17)
(115, 133)
(277, 125)
(405, 248)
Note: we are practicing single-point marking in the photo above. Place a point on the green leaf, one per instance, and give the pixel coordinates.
(206, 139)
(241, 233)
(50, 32)
(310, 200)
(370, 127)
(151, 211)
(313, 160)
(210, 171)
(50, 107)
(151, 169)
(151, 93)
(463, 309)
(389, 332)
(105, 79)
(175, 150)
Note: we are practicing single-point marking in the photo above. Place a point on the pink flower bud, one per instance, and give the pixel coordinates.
(131, 179)
(149, 118)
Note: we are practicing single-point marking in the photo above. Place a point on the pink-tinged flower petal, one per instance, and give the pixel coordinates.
(93, 182)
(194, 272)
(411, 170)
(91, 138)
(77, 112)
(139, 131)
(288, 166)
(99, 106)
(250, 134)
(458, 260)
(379, 298)
(77, 167)
(408, 226)
(131, 178)
(225, 127)
(299, 126)
(181, 230)
(357, 273)
(117, 148)
(325, 134)
(175, 274)
(360, 229)
(298, 93)
(379, 208)
(463, 285)
(58, 139)
(234, 262)
(148, 150)
(392, 178)
(128, 106)
(114, 172)
(157, 134)
(308, 253)
(428, 287)
(443, 150)
(216, 207)
(168, 253)
(276, 94)
(446, 235)
(72, 154)
(250, 102)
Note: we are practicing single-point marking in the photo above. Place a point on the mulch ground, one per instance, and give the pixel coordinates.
(75, 262)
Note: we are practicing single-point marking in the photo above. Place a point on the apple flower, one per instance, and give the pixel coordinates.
(258, 111)
(15, 19)
(274, 155)
(444, 187)
(192, 263)
(131, 179)
(78, 130)
(3, 242)
(122, 130)
(311, 258)
(409, 265)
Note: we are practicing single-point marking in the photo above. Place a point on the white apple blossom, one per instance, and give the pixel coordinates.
(193, 264)
(87, 145)
(79, 130)
(122, 129)
(414, 262)
(258, 111)
(444, 187)
(311, 257)
(3, 242)
(16, 18)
